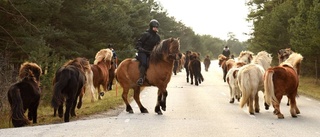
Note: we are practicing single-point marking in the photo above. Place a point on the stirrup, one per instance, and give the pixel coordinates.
(140, 81)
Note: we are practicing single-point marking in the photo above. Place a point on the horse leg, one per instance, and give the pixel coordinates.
(100, 94)
(196, 78)
(277, 107)
(256, 103)
(68, 107)
(80, 101)
(73, 107)
(60, 111)
(293, 107)
(136, 97)
(231, 95)
(125, 99)
(161, 101)
(187, 71)
(191, 78)
(251, 105)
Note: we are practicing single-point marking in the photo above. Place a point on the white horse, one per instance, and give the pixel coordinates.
(250, 80)
(233, 66)
(89, 85)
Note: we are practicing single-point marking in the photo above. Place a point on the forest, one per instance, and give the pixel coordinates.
(51, 32)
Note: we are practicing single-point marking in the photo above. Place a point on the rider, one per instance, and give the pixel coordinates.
(226, 52)
(145, 44)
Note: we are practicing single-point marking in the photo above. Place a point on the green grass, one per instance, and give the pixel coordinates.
(309, 87)
(45, 113)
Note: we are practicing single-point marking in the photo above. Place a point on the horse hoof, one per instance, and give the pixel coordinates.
(294, 116)
(144, 110)
(130, 111)
(231, 101)
(101, 94)
(159, 113)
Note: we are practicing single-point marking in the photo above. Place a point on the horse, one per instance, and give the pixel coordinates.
(222, 63)
(178, 64)
(25, 95)
(158, 74)
(231, 76)
(100, 69)
(284, 54)
(250, 81)
(113, 67)
(186, 64)
(206, 63)
(69, 81)
(283, 80)
(195, 69)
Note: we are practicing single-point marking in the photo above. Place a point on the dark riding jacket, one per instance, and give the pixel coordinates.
(148, 40)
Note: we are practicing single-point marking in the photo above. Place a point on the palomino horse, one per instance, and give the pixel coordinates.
(195, 69)
(100, 69)
(25, 95)
(158, 74)
(250, 81)
(69, 84)
(283, 80)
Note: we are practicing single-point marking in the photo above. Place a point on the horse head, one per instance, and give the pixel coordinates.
(30, 71)
(245, 56)
(221, 58)
(263, 58)
(284, 54)
(168, 50)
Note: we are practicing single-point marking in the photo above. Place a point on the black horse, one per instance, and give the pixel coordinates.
(25, 95)
(69, 82)
(195, 69)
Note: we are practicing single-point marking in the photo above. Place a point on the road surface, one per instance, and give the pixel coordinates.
(202, 110)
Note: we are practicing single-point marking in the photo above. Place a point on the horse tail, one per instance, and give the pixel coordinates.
(269, 87)
(17, 111)
(243, 83)
(60, 84)
(89, 84)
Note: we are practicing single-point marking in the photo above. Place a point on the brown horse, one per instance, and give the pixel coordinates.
(206, 63)
(222, 63)
(283, 80)
(158, 74)
(25, 95)
(195, 69)
(69, 82)
(100, 69)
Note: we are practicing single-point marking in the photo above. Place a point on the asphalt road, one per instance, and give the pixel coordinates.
(202, 110)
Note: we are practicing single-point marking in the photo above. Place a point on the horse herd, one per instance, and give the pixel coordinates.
(251, 74)
(245, 77)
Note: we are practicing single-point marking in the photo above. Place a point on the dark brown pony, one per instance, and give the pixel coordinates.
(195, 69)
(100, 69)
(283, 80)
(25, 95)
(158, 74)
(112, 74)
(69, 84)
(206, 63)
(186, 64)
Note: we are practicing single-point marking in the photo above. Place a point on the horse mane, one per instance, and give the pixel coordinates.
(30, 71)
(103, 54)
(293, 61)
(222, 57)
(163, 48)
(80, 63)
(248, 54)
(263, 58)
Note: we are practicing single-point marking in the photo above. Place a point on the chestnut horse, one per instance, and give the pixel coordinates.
(100, 69)
(206, 63)
(25, 95)
(222, 63)
(250, 81)
(283, 80)
(158, 74)
(69, 82)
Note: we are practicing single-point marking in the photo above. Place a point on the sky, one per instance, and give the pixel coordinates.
(211, 17)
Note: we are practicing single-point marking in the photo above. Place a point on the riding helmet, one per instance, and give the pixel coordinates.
(154, 23)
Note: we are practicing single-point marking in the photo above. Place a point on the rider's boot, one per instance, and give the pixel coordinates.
(142, 75)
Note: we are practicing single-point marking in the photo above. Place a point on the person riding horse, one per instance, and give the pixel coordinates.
(148, 40)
